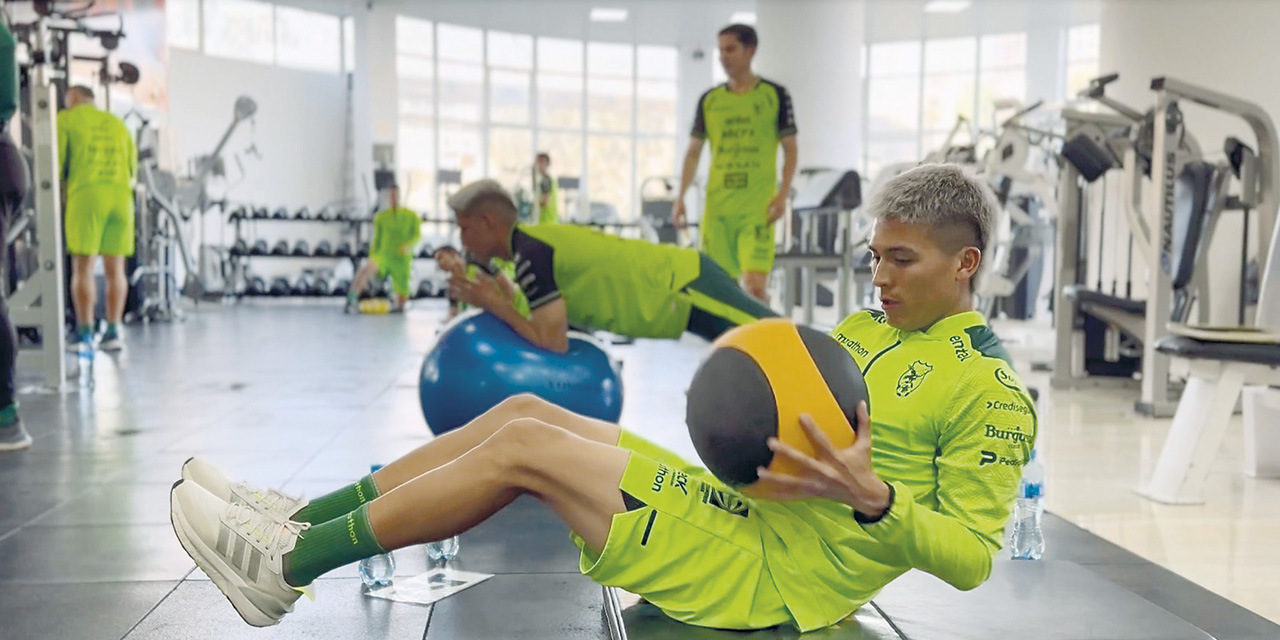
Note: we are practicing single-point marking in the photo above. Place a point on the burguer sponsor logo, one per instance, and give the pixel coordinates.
(1012, 435)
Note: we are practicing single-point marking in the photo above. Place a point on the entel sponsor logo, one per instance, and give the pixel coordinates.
(1005, 434)
(853, 345)
(1012, 407)
(962, 353)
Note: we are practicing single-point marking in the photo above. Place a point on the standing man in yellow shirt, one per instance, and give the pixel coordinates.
(395, 231)
(99, 165)
(548, 191)
(745, 120)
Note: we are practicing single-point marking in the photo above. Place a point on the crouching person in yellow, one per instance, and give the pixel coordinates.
(925, 486)
(395, 231)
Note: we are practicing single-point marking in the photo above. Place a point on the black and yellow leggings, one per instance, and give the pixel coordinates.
(719, 304)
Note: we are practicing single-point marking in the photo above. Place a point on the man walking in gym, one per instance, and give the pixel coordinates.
(99, 165)
(745, 119)
(548, 191)
(395, 231)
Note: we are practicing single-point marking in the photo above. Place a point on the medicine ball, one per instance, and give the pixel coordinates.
(755, 383)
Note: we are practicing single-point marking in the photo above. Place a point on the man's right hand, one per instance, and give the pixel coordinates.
(452, 262)
(678, 215)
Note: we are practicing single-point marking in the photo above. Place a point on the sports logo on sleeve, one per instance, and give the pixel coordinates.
(1007, 380)
(911, 379)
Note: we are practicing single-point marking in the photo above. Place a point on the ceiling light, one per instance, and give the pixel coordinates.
(946, 6)
(599, 14)
(743, 17)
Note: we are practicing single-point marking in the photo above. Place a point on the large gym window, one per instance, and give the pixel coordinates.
(1082, 57)
(416, 135)
(182, 24)
(308, 40)
(240, 29)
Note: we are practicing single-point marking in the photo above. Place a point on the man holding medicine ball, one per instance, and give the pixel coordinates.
(928, 485)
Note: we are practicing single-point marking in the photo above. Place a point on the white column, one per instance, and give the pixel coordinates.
(814, 49)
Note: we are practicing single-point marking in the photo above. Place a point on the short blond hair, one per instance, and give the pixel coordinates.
(483, 195)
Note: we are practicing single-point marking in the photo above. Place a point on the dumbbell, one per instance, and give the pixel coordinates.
(377, 288)
(364, 250)
(259, 248)
(257, 286)
(261, 213)
(281, 248)
(280, 214)
(341, 286)
(341, 215)
(240, 248)
(426, 251)
(425, 289)
(323, 286)
(239, 213)
(304, 284)
(324, 215)
(302, 213)
(301, 249)
(280, 287)
(343, 250)
(323, 249)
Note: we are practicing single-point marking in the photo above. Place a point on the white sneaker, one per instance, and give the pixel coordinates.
(111, 343)
(240, 549)
(280, 506)
(14, 437)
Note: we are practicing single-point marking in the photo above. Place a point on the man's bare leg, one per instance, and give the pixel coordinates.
(83, 290)
(575, 476)
(117, 287)
(448, 447)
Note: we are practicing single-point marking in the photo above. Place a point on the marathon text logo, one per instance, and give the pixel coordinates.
(852, 345)
(1012, 435)
(677, 479)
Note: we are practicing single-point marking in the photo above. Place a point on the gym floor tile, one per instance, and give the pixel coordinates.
(563, 606)
(114, 553)
(196, 610)
(55, 611)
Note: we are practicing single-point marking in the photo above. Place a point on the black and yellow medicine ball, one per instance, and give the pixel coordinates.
(755, 383)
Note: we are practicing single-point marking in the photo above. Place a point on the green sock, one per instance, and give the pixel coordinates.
(85, 329)
(9, 415)
(113, 328)
(325, 547)
(338, 503)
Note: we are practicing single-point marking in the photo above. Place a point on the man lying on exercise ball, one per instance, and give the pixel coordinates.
(575, 275)
(927, 484)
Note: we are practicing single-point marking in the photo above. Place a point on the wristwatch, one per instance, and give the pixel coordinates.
(865, 519)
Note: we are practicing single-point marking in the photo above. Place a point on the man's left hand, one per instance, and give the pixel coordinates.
(844, 475)
(777, 207)
(483, 292)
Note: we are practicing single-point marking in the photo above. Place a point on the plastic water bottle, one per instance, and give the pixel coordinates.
(377, 571)
(442, 550)
(1026, 540)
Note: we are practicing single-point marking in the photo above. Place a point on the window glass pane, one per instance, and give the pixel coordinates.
(1082, 42)
(510, 50)
(559, 100)
(893, 104)
(239, 29)
(348, 44)
(609, 104)
(656, 106)
(1000, 85)
(894, 58)
(564, 56)
(1004, 51)
(414, 36)
(881, 153)
(511, 156)
(660, 63)
(307, 40)
(605, 59)
(655, 158)
(461, 92)
(950, 55)
(509, 96)
(460, 150)
(609, 170)
(417, 158)
(463, 44)
(182, 23)
(416, 77)
(718, 75)
(1078, 76)
(947, 96)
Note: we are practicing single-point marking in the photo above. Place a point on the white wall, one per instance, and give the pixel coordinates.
(298, 128)
(1225, 45)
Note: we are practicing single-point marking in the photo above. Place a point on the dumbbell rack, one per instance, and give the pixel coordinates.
(245, 221)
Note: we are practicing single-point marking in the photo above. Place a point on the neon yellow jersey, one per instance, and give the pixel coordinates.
(95, 149)
(744, 130)
(952, 425)
(499, 265)
(549, 214)
(629, 287)
(394, 229)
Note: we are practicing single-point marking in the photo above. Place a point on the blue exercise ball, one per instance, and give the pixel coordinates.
(479, 361)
